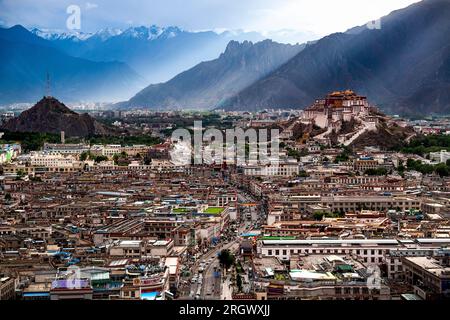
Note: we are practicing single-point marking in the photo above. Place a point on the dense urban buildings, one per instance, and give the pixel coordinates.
(333, 218)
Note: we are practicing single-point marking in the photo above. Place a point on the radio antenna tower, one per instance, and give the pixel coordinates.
(47, 86)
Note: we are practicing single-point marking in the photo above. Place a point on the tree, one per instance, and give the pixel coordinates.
(302, 174)
(376, 172)
(226, 259)
(84, 155)
(344, 155)
(100, 158)
(442, 170)
(20, 174)
(319, 215)
(239, 282)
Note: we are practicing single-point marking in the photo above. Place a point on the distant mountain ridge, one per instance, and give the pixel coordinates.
(403, 67)
(106, 66)
(25, 59)
(155, 53)
(209, 83)
(51, 116)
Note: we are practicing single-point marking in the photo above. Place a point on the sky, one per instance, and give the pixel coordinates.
(306, 19)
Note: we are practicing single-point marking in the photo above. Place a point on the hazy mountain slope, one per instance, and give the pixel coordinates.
(401, 67)
(25, 59)
(156, 53)
(207, 84)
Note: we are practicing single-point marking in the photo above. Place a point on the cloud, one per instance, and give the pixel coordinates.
(90, 5)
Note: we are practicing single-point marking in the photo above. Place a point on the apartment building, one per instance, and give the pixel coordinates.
(429, 278)
(372, 251)
(7, 288)
(284, 169)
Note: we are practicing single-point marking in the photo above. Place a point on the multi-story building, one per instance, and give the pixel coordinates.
(285, 169)
(66, 149)
(7, 288)
(368, 250)
(441, 156)
(429, 278)
(335, 107)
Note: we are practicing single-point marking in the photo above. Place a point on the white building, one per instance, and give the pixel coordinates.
(286, 168)
(441, 156)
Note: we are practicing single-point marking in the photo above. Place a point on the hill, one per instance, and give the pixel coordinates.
(51, 116)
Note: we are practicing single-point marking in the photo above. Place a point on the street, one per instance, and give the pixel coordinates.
(207, 280)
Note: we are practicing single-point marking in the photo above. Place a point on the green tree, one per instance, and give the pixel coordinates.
(226, 259)
(303, 174)
(116, 158)
(100, 158)
(20, 174)
(319, 215)
(376, 172)
(84, 156)
(442, 169)
(239, 282)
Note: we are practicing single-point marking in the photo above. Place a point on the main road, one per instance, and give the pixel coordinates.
(212, 285)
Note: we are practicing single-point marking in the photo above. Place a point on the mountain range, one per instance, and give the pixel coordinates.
(26, 59)
(109, 65)
(403, 67)
(209, 83)
(155, 53)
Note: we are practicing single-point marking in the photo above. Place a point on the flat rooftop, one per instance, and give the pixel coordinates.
(429, 264)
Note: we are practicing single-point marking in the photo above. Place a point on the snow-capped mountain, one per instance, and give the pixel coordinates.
(105, 34)
(52, 35)
(152, 33)
(146, 33)
(158, 53)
